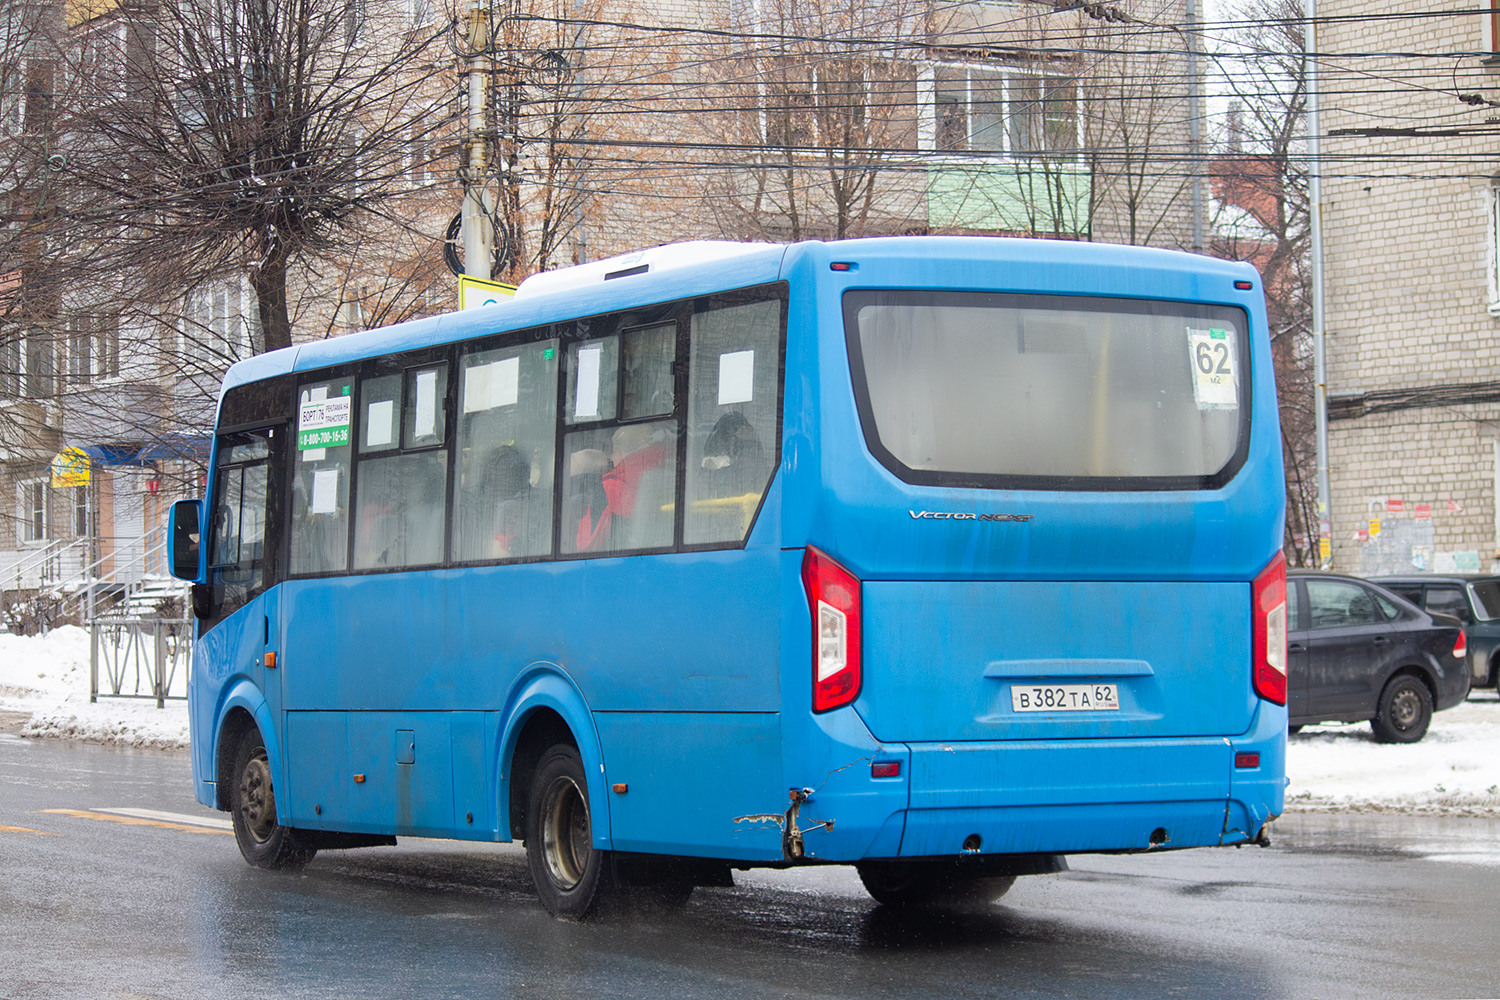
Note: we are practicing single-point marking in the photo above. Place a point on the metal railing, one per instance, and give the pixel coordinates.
(146, 653)
(133, 564)
(44, 567)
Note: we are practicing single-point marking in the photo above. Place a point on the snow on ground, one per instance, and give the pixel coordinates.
(48, 678)
(1454, 770)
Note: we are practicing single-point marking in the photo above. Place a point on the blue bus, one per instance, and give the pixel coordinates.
(941, 557)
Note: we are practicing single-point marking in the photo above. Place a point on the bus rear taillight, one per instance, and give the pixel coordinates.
(833, 598)
(1268, 631)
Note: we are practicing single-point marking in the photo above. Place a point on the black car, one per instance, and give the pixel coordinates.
(1474, 601)
(1357, 651)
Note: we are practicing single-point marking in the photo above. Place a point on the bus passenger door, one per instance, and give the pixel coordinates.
(242, 623)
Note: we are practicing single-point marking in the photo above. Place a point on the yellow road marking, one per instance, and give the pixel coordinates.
(136, 821)
(27, 829)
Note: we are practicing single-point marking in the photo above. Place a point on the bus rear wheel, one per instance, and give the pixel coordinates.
(930, 884)
(570, 875)
(263, 841)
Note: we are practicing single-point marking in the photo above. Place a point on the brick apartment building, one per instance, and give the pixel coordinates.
(1412, 287)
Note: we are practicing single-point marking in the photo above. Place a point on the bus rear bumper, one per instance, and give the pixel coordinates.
(1064, 796)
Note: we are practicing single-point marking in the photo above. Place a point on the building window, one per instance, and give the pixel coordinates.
(355, 17)
(421, 13)
(10, 361)
(983, 110)
(1493, 205)
(1491, 25)
(32, 513)
(93, 347)
(214, 327)
(40, 365)
(81, 512)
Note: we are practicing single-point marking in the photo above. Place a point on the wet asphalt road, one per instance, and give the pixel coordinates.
(1342, 906)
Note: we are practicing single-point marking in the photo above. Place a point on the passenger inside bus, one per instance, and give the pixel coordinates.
(504, 485)
(623, 501)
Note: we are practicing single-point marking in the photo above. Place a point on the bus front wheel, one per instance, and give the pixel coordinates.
(263, 841)
(930, 884)
(570, 875)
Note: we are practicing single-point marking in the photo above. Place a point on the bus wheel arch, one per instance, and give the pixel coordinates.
(540, 731)
(546, 709)
(238, 724)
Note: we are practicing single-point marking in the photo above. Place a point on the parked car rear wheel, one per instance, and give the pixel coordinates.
(1404, 711)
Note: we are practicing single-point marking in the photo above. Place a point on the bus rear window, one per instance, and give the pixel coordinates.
(1063, 392)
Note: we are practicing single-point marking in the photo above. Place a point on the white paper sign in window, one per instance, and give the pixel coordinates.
(325, 492)
(1211, 353)
(426, 423)
(492, 385)
(736, 377)
(378, 421)
(587, 399)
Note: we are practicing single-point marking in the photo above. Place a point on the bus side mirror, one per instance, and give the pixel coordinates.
(185, 529)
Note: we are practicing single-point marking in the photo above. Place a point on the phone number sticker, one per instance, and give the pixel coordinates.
(1065, 698)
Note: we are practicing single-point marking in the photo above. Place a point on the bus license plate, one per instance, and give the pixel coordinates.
(1065, 698)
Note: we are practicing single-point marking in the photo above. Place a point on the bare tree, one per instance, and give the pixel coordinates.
(213, 138)
(811, 114)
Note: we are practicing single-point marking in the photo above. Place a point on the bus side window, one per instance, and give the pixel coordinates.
(400, 495)
(320, 478)
(733, 382)
(507, 442)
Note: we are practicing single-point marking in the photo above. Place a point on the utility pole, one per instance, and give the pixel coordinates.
(475, 215)
(1315, 227)
(1195, 123)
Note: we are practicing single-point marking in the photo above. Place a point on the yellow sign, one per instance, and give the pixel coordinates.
(70, 468)
(475, 292)
(1374, 527)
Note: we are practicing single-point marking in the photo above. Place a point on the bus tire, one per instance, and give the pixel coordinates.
(929, 884)
(1403, 712)
(263, 841)
(570, 875)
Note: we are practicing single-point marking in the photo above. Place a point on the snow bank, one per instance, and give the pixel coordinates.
(48, 677)
(1455, 770)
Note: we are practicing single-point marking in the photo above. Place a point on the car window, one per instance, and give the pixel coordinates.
(1487, 599)
(1410, 592)
(1384, 603)
(1336, 604)
(1449, 601)
(1293, 605)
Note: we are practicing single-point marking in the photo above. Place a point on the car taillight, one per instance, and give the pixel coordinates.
(1268, 631)
(833, 598)
(1461, 647)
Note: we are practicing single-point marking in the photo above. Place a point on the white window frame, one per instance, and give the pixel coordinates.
(420, 13)
(26, 510)
(927, 123)
(58, 349)
(216, 308)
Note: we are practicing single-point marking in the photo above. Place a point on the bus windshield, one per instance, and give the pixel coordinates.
(992, 389)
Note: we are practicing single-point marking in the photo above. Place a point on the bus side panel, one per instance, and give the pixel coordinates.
(318, 781)
(695, 783)
(631, 632)
(405, 761)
